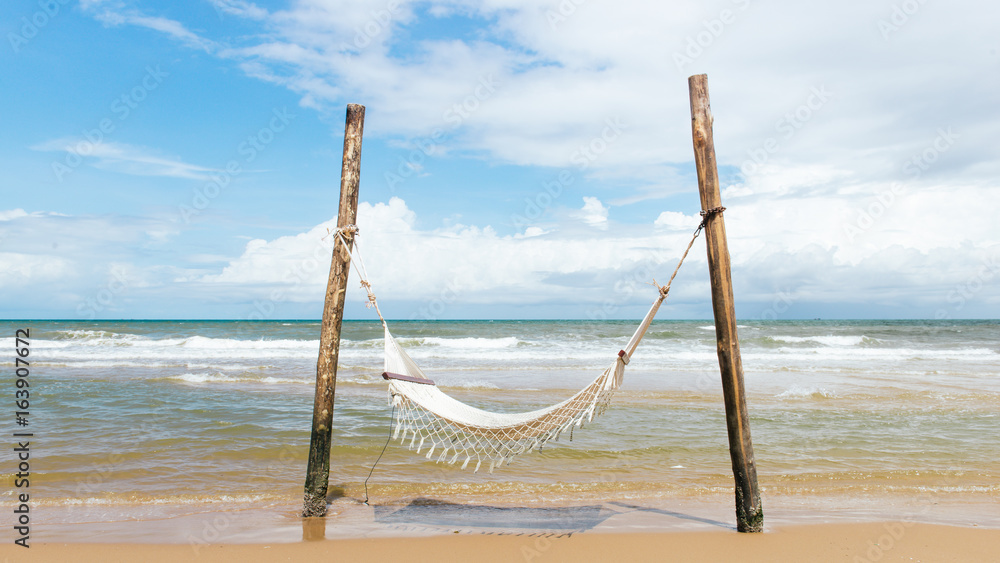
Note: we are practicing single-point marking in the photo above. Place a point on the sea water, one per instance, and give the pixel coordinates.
(129, 416)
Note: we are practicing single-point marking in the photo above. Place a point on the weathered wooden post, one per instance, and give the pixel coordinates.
(749, 513)
(318, 469)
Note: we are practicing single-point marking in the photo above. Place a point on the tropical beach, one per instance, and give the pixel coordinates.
(195, 433)
(201, 365)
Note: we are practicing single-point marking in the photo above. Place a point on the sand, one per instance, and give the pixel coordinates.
(854, 542)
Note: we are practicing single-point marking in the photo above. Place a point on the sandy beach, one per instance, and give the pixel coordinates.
(828, 528)
(879, 541)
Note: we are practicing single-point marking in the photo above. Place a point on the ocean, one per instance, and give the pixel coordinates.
(154, 419)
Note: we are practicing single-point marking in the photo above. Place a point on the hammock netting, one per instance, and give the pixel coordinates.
(452, 431)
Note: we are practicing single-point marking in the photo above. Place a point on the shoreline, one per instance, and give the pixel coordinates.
(349, 518)
(854, 542)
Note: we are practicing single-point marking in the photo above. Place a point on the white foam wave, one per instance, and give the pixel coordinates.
(89, 334)
(200, 378)
(132, 350)
(90, 338)
(472, 342)
(118, 363)
(205, 343)
(471, 384)
(798, 392)
(198, 354)
(273, 380)
(828, 340)
(887, 354)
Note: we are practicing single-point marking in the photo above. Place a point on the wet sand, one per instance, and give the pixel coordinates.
(854, 542)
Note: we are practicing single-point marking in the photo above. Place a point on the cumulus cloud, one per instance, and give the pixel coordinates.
(475, 265)
(594, 213)
(780, 249)
(406, 263)
(675, 220)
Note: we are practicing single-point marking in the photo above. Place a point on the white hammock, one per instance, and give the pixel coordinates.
(427, 417)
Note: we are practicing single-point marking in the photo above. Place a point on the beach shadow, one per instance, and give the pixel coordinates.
(333, 493)
(434, 512)
(680, 515)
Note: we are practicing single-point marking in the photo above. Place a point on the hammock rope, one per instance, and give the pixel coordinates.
(452, 431)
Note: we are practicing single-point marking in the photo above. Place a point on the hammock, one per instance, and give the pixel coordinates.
(427, 417)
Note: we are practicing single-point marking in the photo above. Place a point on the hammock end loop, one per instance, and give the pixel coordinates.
(623, 356)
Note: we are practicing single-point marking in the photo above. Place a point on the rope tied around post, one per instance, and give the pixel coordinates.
(664, 289)
(706, 214)
(353, 231)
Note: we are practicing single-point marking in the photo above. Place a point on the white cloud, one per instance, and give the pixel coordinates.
(677, 221)
(778, 247)
(126, 159)
(866, 105)
(770, 254)
(51, 264)
(594, 213)
(170, 27)
(9, 214)
(240, 8)
(533, 232)
(19, 269)
(557, 82)
(479, 265)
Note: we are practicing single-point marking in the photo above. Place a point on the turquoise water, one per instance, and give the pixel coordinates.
(127, 415)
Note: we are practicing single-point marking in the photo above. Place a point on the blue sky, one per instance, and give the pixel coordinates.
(521, 159)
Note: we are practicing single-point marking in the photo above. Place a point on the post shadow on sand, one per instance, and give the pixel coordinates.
(680, 515)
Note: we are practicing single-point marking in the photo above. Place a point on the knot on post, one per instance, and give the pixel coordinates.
(349, 230)
(705, 215)
(339, 232)
(709, 212)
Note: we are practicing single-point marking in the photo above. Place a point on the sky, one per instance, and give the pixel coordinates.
(521, 159)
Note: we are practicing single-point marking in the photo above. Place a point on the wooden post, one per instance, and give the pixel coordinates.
(749, 513)
(318, 469)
